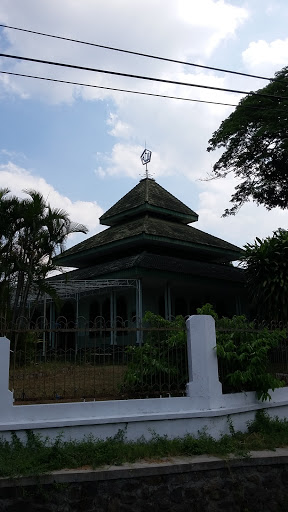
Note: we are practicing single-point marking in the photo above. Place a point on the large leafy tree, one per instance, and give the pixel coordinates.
(31, 234)
(266, 263)
(255, 142)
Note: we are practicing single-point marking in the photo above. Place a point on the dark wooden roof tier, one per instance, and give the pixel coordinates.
(147, 232)
(148, 198)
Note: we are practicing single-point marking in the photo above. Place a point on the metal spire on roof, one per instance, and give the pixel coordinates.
(145, 159)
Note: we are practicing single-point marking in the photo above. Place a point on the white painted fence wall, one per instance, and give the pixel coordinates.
(204, 407)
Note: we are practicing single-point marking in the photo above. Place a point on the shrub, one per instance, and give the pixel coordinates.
(159, 365)
(243, 354)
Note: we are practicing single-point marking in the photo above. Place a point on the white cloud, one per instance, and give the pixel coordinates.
(186, 29)
(273, 7)
(264, 57)
(250, 221)
(125, 161)
(18, 179)
(220, 18)
(177, 132)
(12, 154)
(118, 127)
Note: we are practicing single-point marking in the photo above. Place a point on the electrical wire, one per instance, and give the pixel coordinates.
(119, 90)
(140, 77)
(139, 54)
(165, 96)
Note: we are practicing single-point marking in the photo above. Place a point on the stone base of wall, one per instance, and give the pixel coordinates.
(259, 483)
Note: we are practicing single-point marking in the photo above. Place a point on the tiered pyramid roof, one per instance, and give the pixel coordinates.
(148, 218)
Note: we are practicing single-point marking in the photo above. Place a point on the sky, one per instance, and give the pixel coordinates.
(81, 146)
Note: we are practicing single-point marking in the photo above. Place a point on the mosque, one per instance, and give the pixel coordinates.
(150, 258)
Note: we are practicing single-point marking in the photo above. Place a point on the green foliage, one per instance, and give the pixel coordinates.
(255, 142)
(266, 263)
(243, 355)
(36, 455)
(31, 233)
(159, 365)
(207, 309)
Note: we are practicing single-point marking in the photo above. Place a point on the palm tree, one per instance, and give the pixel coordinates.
(9, 223)
(31, 233)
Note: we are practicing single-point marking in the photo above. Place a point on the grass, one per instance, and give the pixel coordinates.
(37, 456)
(60, 381)
(46, 382)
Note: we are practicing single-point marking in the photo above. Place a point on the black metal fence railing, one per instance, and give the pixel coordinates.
(278, 358)
(64, 361)
(68, 362)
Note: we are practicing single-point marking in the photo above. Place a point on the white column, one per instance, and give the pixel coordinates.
(6, 396)
(204, 386)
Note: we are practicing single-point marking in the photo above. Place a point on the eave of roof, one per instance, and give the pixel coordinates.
(145, 261)
(145, 209)
(146, 232)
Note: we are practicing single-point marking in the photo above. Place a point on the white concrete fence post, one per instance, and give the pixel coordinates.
(203, 386)
(6, 396)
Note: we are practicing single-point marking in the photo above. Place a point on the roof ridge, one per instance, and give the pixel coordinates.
(146, 191)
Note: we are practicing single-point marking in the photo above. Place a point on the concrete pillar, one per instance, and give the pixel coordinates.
(6, 396)
(203, 386)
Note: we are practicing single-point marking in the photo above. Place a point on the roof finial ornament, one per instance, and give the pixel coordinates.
(145, 159)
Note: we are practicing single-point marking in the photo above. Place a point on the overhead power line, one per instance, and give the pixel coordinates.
(119, 90)
(131, 91)
(139, 54)
(140, 77)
